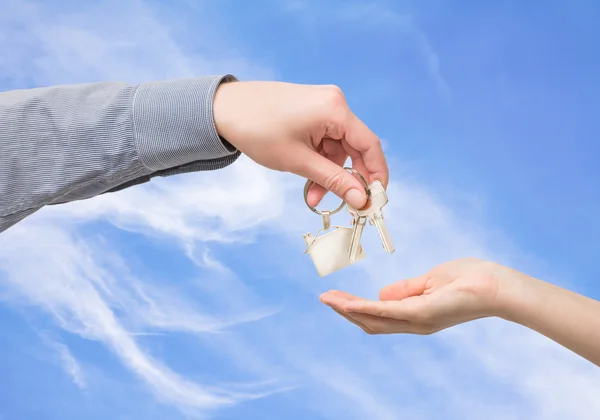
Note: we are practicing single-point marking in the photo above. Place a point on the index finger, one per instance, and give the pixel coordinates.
(400, 310)
(366, 146)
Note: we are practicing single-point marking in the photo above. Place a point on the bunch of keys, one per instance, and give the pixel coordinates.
(341, 246)
(373, 212)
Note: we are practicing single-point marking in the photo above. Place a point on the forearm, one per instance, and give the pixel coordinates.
(68, 143)
(568, 318)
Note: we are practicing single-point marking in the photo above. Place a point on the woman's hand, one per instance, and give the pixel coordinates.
(304, 129)
(450, 294)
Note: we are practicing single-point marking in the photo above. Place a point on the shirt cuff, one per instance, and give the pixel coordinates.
(174, 123)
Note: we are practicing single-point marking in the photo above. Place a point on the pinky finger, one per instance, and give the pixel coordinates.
(355, 322)
(376, 325)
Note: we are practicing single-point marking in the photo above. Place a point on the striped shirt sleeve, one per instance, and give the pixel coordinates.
(66, 143)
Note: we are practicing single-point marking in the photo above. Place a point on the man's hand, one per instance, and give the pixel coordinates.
(450, 294)
(304, 129)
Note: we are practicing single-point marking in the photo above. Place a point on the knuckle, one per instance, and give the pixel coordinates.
(345, 308)
(334, 182)
(377, 142)
(334, 106)
(335, 94)
(336, 103)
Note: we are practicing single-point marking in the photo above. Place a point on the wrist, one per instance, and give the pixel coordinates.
(225, 109)
(516, 293)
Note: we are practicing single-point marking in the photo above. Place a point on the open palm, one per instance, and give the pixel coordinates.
(452, 293)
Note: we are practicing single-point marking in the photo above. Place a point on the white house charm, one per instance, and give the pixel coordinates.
(329, 252)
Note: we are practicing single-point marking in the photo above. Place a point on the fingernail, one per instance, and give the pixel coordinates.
(355, 198)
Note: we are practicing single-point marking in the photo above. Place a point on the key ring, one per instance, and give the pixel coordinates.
(325, 214)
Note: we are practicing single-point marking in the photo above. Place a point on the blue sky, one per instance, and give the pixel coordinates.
(190, 297)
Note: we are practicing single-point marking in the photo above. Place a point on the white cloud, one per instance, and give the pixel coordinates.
(209, 205)
(81, 281)
(49, 43)
(77, 279)
(426, 233)
(69, 363)
(84, 286)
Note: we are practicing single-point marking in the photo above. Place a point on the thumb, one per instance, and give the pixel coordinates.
(333, 177)
(404, 288)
